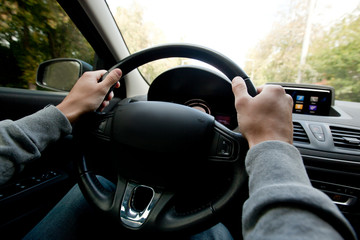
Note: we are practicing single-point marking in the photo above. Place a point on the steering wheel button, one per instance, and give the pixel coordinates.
(102, 126)
(225, 147)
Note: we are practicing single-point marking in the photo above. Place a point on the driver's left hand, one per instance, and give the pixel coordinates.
(88, 94)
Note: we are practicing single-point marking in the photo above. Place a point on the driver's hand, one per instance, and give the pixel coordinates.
(88, 94)
(267, 116)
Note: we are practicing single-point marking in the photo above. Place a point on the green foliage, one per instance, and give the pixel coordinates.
(32, 31)
(336, 56)
(276, 57)
(333, 58)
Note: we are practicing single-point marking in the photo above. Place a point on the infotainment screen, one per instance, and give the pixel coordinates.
(309, 99)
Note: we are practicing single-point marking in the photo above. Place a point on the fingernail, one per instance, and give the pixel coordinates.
(118, 72)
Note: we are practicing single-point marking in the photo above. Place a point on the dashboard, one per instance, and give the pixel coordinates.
(326, 132)
(197, 87)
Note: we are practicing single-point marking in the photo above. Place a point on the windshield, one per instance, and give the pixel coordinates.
(314, 41)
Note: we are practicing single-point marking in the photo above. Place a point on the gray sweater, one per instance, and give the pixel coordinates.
(282, 202)
(23, 140)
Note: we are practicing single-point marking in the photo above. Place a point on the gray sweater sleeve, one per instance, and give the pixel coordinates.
(282, 203)
(24, 139)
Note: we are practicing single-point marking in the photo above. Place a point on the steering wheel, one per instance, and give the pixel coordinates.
(164, 155)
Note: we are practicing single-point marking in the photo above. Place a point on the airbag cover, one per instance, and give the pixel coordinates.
(162, 128)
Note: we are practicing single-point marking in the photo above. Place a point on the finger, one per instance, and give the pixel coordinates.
(103, 105)
(277, 89)
(98, 73)
(110, 96)
(117, 85)
(112, 78)
(290, 100)
(260, 89)
(271, 86)
(239, 88)
(92, 75)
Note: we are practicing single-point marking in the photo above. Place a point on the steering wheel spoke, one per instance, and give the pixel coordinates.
(227, 145)
(137, 203)
(138, 206)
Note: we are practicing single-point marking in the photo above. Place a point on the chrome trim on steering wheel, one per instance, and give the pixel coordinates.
(128, 214)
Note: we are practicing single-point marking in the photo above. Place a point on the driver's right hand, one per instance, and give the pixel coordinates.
(267, 116)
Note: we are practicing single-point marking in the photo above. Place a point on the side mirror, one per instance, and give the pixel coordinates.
(61, 74)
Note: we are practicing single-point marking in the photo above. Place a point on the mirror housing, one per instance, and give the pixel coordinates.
(61, 74)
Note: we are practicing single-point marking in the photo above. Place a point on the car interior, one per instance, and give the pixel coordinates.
(326, 132)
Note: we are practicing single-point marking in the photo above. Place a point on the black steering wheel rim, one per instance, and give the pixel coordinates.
(215, 59)
(108, 201)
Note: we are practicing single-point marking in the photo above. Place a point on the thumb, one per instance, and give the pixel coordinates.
(239, 88)
(113, 77)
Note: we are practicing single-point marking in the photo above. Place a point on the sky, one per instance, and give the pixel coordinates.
(230, 28)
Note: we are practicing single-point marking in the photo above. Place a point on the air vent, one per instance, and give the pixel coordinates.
(299, 133)
(346, 137)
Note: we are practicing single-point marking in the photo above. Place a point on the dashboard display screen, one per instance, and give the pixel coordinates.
(310, 101)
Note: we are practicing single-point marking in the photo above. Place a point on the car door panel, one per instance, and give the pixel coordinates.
(16, 103)
(26, 198)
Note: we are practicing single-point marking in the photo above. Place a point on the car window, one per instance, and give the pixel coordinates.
(32, 32)
(314, 41)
